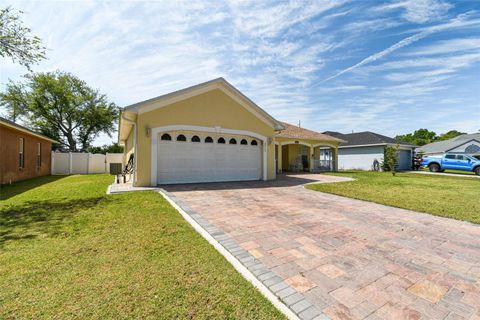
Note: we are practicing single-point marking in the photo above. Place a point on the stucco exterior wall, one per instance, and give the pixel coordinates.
(210, 109)
(360, 158)
(9, 153)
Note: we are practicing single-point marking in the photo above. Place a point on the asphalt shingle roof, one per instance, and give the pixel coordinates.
(444, 146)
(364, 138)
(296, 132)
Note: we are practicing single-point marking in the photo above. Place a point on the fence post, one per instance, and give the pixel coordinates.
(106, 162)
(52, 163)
(88, 162)
(70, 163)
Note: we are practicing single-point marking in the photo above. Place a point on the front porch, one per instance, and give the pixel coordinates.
(298, 156)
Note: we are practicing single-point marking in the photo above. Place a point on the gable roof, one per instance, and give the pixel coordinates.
(446, 145)
(219, 83)
(18, 127)
(365, 138)
(296, 132)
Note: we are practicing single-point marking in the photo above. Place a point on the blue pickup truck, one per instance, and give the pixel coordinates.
(451, 161)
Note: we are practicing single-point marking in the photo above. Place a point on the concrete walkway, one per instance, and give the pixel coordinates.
(327, 256)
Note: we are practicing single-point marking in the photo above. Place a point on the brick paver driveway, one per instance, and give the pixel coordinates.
(352, 259)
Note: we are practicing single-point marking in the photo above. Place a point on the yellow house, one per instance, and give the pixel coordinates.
(212, 132)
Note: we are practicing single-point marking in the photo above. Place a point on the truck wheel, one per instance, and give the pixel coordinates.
(434, 167)
(477, 171)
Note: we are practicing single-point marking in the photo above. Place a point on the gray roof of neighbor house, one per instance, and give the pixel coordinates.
(364, 138)
(16, 126)
(444, 146)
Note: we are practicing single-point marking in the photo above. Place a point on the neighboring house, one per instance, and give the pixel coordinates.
(212, 132)
(362, 149)
(466, 143)
(24, 153)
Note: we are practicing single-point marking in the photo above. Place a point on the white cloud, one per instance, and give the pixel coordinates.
(418, 11)
(447, 47)
(458, 22)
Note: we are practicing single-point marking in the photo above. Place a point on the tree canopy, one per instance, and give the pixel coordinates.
(423, 136)
(449, 135)
(62, 107)
(113, 148)
(16, 40)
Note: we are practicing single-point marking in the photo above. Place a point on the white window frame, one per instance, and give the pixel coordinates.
(21, 153)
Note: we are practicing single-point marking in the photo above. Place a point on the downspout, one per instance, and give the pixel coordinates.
(134, 148)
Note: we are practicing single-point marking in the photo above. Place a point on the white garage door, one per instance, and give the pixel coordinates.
(190, 158)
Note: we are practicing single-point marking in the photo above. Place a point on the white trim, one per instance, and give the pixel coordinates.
(154, 144)
(284, 143)
(220, 84)
(325, 145)
(233, 261)
(466, 142)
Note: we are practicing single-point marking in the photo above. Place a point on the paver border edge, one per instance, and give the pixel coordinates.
(250, 277)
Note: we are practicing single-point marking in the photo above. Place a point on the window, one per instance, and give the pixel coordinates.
(39, 155)
(460, 157)
(195, 139)
(208, 140)
(232, 141)
(243, 141)
(472, 149)
(254, 143)
(166, 137)
(221, 140)
(450, 156)
(21, 151)
(181, 137)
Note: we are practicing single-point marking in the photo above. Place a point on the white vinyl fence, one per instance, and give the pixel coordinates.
(83, 163)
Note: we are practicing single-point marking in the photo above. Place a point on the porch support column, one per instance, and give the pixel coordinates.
(311, 157)
(279, 159)
(335, 159)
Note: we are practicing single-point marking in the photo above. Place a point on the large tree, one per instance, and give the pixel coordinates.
(62, 107)
(420, 137)
(449, 135)
(16, 40)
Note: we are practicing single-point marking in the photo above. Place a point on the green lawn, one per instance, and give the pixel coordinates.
(446, 196)
(67, 250)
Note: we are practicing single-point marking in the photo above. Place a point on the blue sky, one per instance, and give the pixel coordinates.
(385, 66)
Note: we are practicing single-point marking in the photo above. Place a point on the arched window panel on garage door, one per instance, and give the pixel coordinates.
(166, 137)
(179, 162)
(195, 138)
(181, 138)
